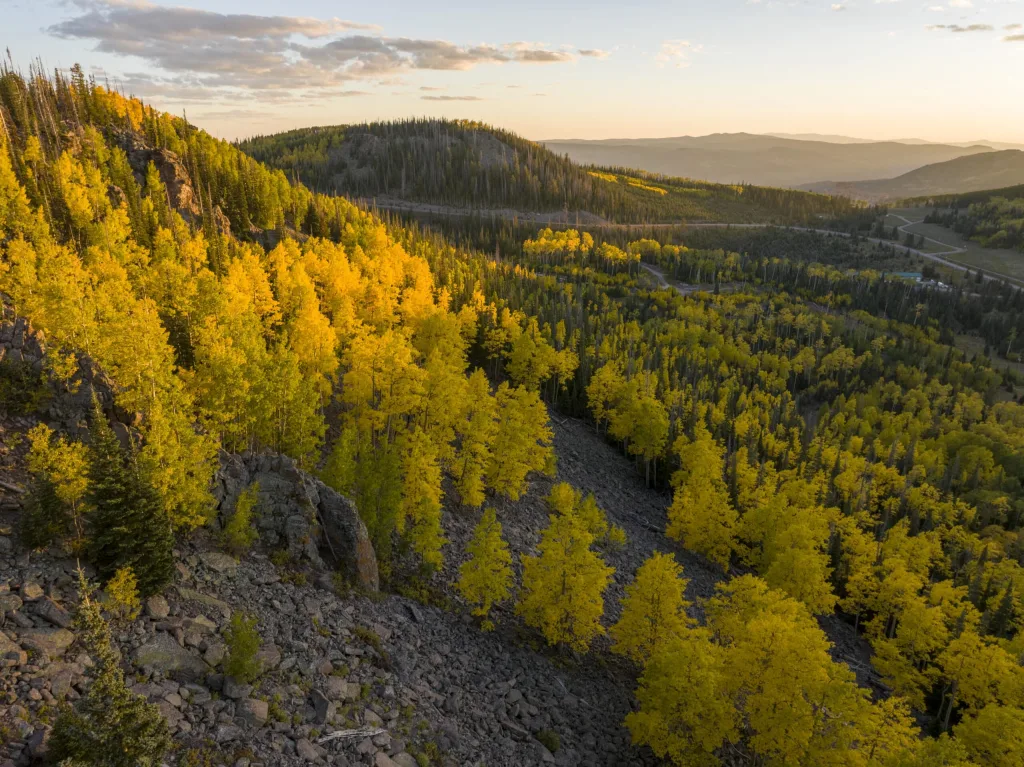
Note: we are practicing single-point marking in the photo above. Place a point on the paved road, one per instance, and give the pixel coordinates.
(552, 219)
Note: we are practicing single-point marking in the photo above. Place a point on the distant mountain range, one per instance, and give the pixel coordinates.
(972, 173)
(759, 159)
(834, 139)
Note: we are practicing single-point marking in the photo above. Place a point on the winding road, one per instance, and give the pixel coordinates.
(591, 221)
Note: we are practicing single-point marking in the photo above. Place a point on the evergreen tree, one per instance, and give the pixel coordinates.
(111, 727)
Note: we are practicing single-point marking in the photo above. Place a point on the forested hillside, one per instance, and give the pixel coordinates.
(830, 456)
(472, 165)
(995, 222)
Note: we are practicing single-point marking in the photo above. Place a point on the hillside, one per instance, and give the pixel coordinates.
(355, 495)
(755, 159)
(471, 166)
(974, 173)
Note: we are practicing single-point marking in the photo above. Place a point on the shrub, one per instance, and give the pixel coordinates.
(550, 740)
(239, 532)
(123, 595)
(23, 389)
(243, 641)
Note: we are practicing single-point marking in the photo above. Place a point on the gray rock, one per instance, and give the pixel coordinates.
(308, 751)
(167, 656)
(50, 643)
(9, 603)
(269, 656)
(381, 759)
(53, 613)
(253, 712)
(302, 510)
(225, 733)
(236, 690)
(323, 707)
(215, 653)
(404, 760)
(206, 600)
(219, 562)
(157, 608)
(31, 591)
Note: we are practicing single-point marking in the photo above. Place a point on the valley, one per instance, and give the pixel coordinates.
(417, 443)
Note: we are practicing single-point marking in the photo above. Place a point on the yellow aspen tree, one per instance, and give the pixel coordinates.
(486, 577)
(686, 708)
(522, 442)
(654, 610)
(563, 586)
(421, 497)
(475, 428)
(65, 464)
(700, 515)
(994, 736)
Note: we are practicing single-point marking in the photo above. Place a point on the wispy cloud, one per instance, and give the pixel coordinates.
(676, 52)
(593, 53)
(195, 50)
(451, 98)
(1014, 39)
(960, 29)
(838, 7)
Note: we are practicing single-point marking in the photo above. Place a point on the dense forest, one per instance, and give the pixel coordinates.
(469, 164)
(823, 442)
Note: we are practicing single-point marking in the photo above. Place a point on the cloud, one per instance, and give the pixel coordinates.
(1013, 27)
(959, 29)
(593, 53)
(451, 98)
(1014, 39)
(961, 4)
(430, 88)
(196, 50)
(838, 7)
(676, 52)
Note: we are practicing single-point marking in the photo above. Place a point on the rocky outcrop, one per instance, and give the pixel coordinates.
(66, 405)
(300, 513)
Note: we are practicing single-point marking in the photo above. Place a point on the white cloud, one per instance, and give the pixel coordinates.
(676, 52)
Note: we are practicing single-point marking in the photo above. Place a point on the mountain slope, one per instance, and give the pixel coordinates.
(974, 173)
(470, 165)
(754, 159)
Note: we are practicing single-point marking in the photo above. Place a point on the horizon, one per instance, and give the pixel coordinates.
(866, 70)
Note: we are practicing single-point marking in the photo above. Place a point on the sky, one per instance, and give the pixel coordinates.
(949, 70)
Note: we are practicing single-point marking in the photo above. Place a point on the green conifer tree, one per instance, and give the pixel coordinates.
(112, 727)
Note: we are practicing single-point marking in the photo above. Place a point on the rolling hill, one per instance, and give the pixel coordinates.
(462, 166)
(973, 173)
(756, 159)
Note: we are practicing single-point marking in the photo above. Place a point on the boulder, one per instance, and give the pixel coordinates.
(308, 751)
(300, 512)
(50, 643)
(322, 706)
(167, 656)
(53, 613)
(253, 712)
(206, 601)
(219, 562)
(157, 607)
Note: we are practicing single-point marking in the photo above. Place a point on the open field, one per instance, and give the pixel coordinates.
(1009, 263)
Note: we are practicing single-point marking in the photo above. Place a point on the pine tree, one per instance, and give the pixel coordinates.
(128, 523)
(44, 518)
(112, 727)
(486, 577)
(563, 586)
(654, 610)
